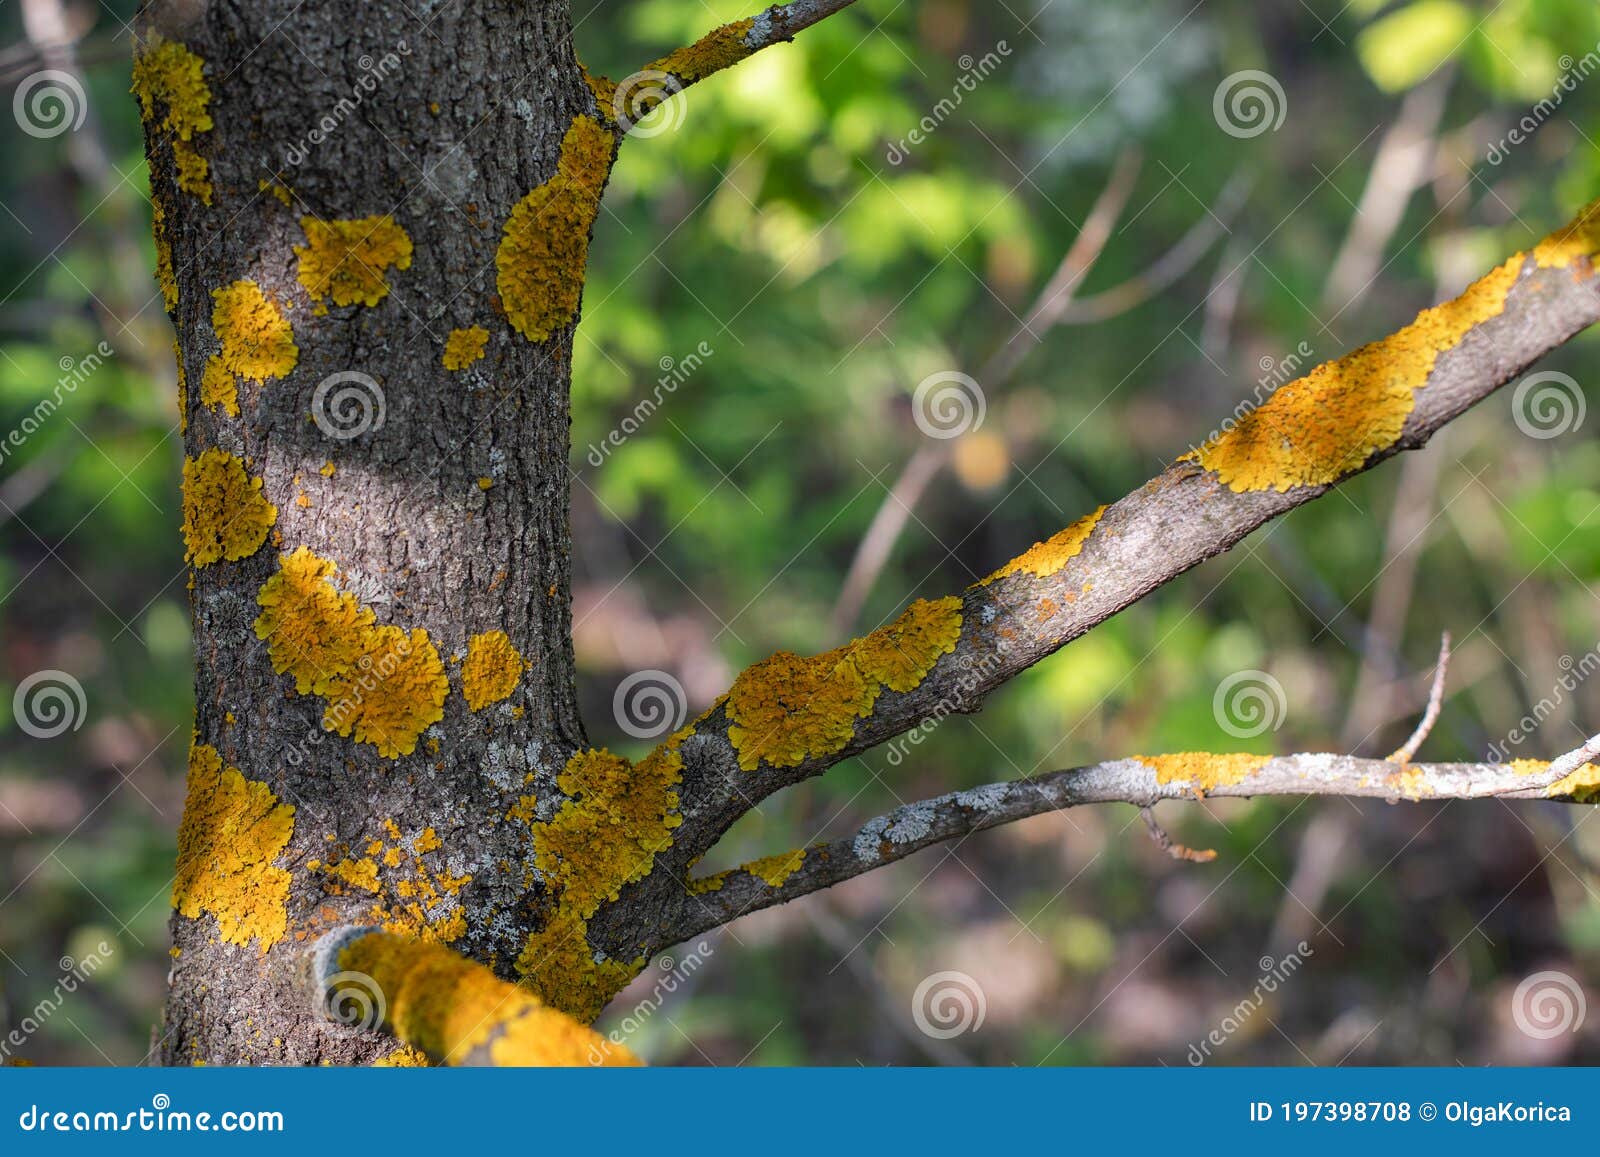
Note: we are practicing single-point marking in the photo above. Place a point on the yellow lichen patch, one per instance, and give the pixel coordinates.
(545, 246)
(257, 340)
(361, 873)
(1044, 559)
(169, 78)
(404, 1057)
(718, 49)
(1582, 785)
(1202, 770)
(414, 899)
(604, 89)
(183, 390)
(774, 870)
(218, 387)
(458, 1012)
(706, 884)
(787, 709)
(394, 692)
(165, 277)
(617, 817)
(491, 671)
(232, 831)
(1578, 240)
(464, 346)
(346, 260)
(383, 685)
(224, 514)
(1315, 430)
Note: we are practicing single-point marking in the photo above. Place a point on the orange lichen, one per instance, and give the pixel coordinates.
(232, 831)
(491, 671)
(1046, 558)
(1315, 430)
(414, 899)
(1201, 770)
(464, 346)
(167, 76)
(346, 260)
(787, 708)
(604, 90)
(362, 873)
(218, 387)
(718, 49)
(224, 514)
(458, 1012)
(404, 1057)
(257, 340)
(774, 870)
(545, 246)
(617, 817)
(383, 685)
(1578, 240)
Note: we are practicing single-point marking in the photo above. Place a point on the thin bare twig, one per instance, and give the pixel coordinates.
(1171, 846)
(1430, 715)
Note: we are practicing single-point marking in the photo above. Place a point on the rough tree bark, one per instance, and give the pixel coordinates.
(371, 229)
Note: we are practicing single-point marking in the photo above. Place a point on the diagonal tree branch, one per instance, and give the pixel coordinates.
(453, 1010)
(788, 718)
(1141, 781)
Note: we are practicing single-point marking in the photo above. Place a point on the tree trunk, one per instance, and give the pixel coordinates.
(341, 175)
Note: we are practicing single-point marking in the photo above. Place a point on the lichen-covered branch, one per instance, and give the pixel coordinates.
(451, 1009)
(1141, 781)
(791, 717)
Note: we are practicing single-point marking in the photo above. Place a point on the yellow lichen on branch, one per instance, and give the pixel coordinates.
(1202, 770)
(383, 685)
(169, 79)
(718, 49)
(1046, 558)
(347, 260)
(257, 340)
(459, 1013)
(219, 388)
(224, 513)
(464, 346)
(1578, 240)
(774, 870)
(1317, 429)
(1582, 785)
(787, 708)
(545, 247)
(491, 671)
(617, 817)
(232, 831)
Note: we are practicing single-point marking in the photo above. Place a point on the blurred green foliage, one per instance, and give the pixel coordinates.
(767, 220)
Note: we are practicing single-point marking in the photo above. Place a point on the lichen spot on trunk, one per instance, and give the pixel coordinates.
(174, 99)
(346, 261)
(224, 513)
(545, 245)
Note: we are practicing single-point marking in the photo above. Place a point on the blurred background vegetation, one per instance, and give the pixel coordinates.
(776, 214)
